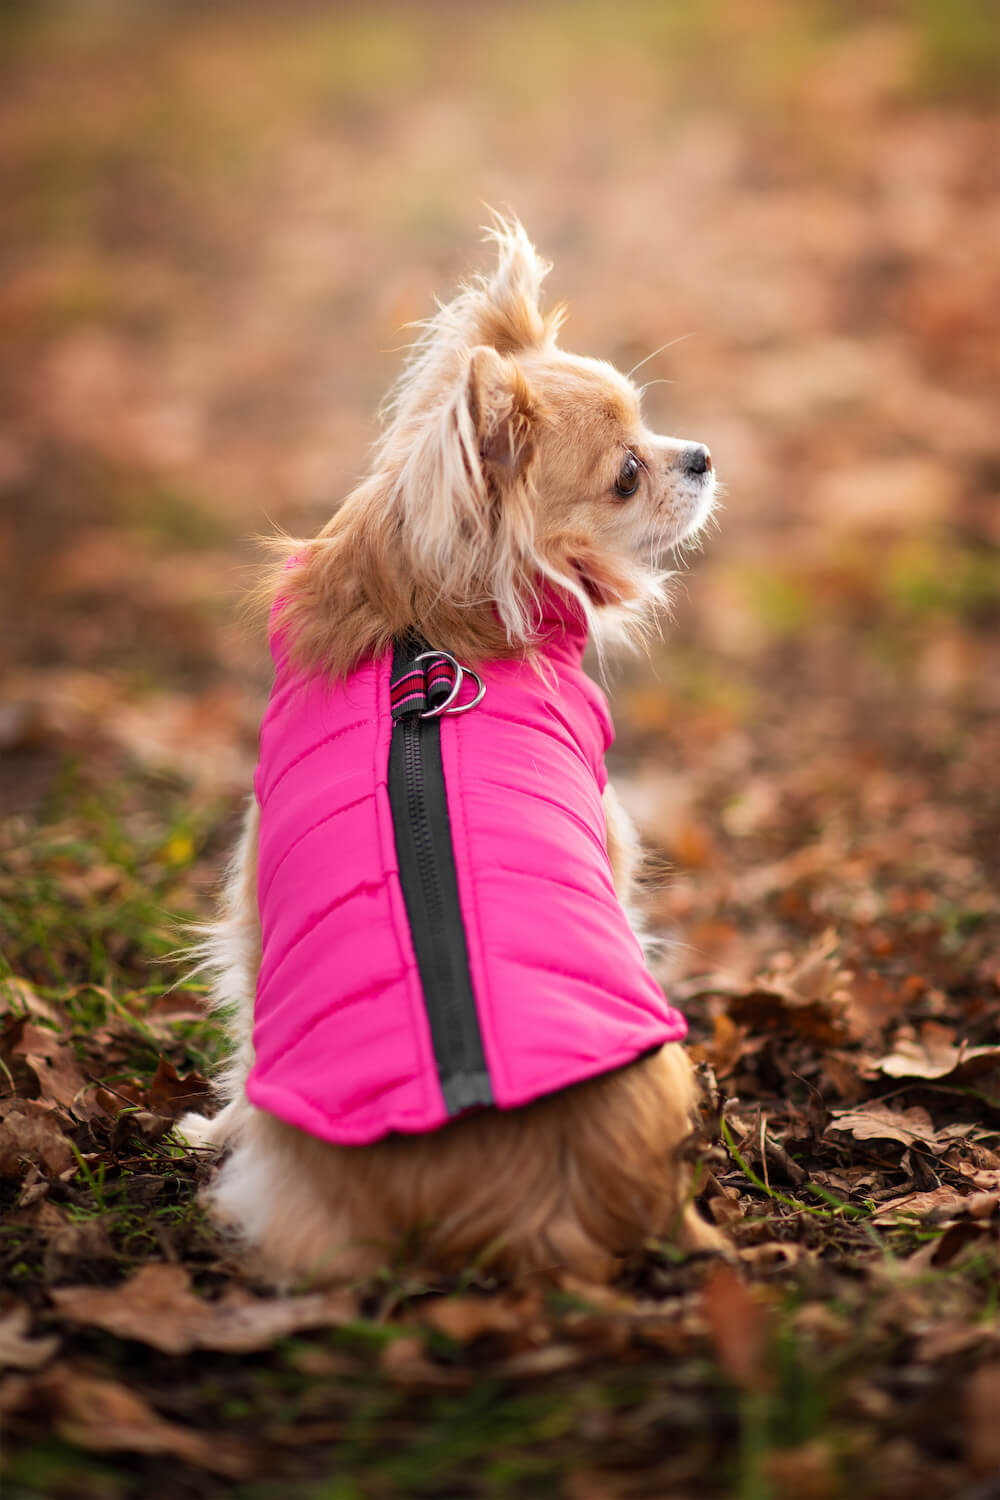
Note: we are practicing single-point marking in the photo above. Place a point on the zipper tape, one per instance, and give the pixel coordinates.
(422, 827)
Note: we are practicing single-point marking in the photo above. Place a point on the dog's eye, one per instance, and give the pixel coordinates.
(628, 476)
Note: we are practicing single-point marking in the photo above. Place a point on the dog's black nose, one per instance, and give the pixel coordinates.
(696, 459)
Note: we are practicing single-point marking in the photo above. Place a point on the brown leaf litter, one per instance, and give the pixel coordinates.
(158, 1307)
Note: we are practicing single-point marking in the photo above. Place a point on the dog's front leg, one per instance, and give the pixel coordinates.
(229, 953)
(624, 852)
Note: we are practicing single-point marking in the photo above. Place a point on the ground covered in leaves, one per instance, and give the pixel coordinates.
(211, 230)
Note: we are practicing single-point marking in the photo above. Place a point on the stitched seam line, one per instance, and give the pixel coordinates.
(342, 1003)
(305, 754)
(415, 1121)
(550, 802)
(482, 967)
(566, 885)
(327, 818)
(580, 1070)
(594, 984)
(568, 738)
(311, 926)
(398, 920)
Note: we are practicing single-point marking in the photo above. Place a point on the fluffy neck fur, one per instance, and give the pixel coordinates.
(351, 593)
(441, 537)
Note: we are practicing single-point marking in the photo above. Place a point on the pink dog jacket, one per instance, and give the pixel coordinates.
(440, 929)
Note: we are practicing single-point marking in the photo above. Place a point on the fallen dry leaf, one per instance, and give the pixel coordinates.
(60, 1077)
(30, 1135)
(34, 1189)
(771, 1255)
(127, 1095)
(173, 1096)
(404, 1361)
(946, 1339)
(873, 1003)
(811, 995)
(982, 1403)
(726, 1046)
(69, 1241)
(947, 1248)
(877, 1122)
(15, 1076)
(919, 1205)
(739, 1326)
(15, 1392)
(818, 977)
(105, 1417)
(18, 1351)
(138, 1122)
(535, 1363)
(17, 995)
(465, 1319)
(986, 1178)
(765, 1009)
(807, 1472)
(935, 1056)
(158, 1307)
(938, 1206)
(41, 1065)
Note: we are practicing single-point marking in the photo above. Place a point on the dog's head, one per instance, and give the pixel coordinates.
(507, 466)
(517, 462)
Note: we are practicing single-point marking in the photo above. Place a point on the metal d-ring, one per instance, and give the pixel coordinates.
(460, 675)
(463, 708)
(443, 708)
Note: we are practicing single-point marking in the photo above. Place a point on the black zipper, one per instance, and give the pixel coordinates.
(419, 803)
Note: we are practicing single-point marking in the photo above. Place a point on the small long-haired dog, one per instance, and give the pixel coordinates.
(447, 1046)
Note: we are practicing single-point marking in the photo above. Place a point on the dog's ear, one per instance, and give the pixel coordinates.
(465, 517)
(508, 316)
(503, 412)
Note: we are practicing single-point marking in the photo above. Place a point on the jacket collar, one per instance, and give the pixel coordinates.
(562, 623)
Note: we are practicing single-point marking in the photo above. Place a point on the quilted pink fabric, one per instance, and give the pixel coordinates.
(343, 1047)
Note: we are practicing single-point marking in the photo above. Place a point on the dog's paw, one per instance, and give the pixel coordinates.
(200, 1133)
(203, 1134)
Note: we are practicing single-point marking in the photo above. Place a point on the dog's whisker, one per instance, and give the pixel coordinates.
(668, 345)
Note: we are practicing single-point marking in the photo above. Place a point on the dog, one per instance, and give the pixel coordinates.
(447, 1049)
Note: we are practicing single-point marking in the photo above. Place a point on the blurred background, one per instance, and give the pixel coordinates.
(216, 220)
